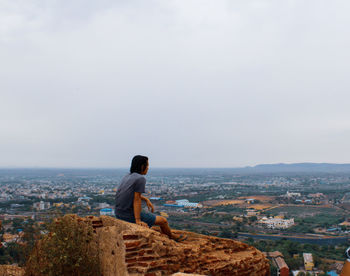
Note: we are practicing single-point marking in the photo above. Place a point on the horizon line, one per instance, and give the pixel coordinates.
(156, 167)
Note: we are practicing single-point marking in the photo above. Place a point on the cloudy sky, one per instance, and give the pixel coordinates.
(189, 83)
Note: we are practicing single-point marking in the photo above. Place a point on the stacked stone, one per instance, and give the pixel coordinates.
(129, 249)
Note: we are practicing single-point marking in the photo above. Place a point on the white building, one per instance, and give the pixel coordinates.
(276, 223)
(308, 261)
(288, 194)
(41, 205)
(84, 198)
(186, 203)
(103, 205)
(107, 212)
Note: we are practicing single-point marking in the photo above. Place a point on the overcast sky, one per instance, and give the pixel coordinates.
(190, 83)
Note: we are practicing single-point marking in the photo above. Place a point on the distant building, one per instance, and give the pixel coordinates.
(317, 195)
(335, 229)
(186, 203)
(308, 261)
(15, 205)
(283, 268)
(240, 219)
(58, 204)
(41, 205)
(345, 223)
(155, 198)
(288, 194)
(278, 260)
(338, 267)
(172, 205)
(102, 205)
(182, 203)
(250, 200)
(106, 212)
(252, 212)
(276, 223)
(84, 198)
(8, 238)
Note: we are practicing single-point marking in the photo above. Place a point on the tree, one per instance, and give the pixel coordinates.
(294, 263)
(66, 250)
(273, 269)
(227, 234)
(17, 223)
(16, 252)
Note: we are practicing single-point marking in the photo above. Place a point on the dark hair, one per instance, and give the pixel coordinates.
(138, 164)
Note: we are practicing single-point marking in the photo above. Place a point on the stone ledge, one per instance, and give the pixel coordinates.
(144, 251)
(10, 270)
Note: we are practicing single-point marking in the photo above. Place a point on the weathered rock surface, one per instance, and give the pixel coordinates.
(9, 270)
(184, 274)
(129, 249)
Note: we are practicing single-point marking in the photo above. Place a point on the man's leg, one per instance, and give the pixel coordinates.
(152, 219)
(164, 226)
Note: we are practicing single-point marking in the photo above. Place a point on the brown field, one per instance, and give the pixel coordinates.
(222, 202)
(240, 203)
(261, 206)
(259, 197)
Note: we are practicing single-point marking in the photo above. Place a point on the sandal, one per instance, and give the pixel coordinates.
(181, 238)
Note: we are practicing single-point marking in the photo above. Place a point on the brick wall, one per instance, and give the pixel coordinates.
(129, 249)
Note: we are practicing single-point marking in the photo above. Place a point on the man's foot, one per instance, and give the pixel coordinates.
(178, 238)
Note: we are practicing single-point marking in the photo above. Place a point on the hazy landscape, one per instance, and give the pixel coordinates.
(232, 203)
(242, 108)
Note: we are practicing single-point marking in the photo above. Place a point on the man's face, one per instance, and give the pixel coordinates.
(146, 169)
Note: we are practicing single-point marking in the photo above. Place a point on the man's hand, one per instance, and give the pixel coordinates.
(141, 223)
(150, 206)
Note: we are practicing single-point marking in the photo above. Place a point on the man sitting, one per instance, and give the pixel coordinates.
(129, 196)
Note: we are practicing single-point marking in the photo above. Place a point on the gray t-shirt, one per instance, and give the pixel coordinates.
(124, 198)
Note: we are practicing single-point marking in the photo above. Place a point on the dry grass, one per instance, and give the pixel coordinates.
(222, 202)
(259, 197)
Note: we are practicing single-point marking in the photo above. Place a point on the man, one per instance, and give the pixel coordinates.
(129, 197)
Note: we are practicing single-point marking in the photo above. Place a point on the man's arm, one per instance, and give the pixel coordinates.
(144, 198)
(137, 209)
(149, 203)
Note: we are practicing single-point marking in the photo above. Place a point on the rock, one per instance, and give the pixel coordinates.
(11, 270)
(185, 274)
(130, 249)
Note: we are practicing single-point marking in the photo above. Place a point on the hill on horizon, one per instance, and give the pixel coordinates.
(306, 167)
(299, 167)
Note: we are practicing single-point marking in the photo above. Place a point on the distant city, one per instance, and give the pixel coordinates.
(297, 214)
